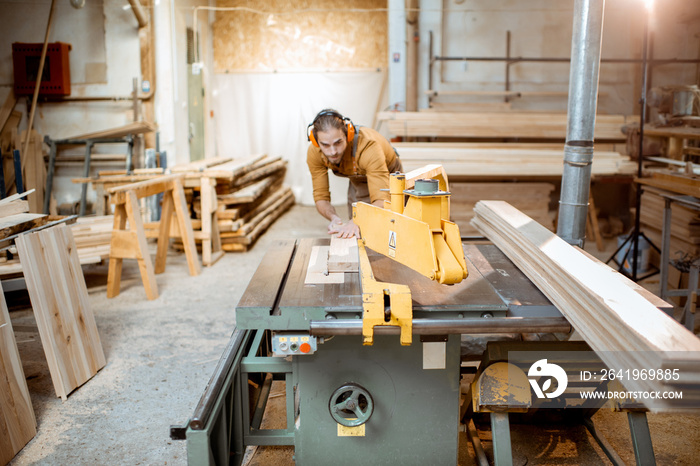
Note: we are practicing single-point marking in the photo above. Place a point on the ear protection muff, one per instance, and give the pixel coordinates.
(349, 127)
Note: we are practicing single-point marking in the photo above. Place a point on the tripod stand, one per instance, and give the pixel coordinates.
(636, 233)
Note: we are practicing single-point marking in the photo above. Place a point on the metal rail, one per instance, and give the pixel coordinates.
(508, 60)
(206, 403)
(448, 326)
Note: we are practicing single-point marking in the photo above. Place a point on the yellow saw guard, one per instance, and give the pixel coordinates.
(414, 235)
(374, 296)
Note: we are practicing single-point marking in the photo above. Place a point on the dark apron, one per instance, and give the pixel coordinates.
(358, 190)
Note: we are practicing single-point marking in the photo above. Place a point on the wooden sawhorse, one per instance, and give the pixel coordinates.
(131, 243)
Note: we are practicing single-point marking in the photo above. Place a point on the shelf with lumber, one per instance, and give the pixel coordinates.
(510, 125)
(505, 160)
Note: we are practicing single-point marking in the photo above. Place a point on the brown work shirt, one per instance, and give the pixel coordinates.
(374, 160)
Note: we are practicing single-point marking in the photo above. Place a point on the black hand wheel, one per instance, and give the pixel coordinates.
(351, 405)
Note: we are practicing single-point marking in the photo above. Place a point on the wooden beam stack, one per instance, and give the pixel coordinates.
(250, 197)
(504, 160)
(626, 330)
(481, 125)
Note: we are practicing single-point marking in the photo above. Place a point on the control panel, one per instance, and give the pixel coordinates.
(287, 344)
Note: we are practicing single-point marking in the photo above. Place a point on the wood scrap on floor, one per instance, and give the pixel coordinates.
(626, 330)
(17, 420)
(61, 306)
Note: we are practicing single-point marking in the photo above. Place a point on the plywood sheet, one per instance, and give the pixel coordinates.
(283, 35)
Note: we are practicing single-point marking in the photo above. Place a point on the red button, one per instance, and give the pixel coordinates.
(305, 348)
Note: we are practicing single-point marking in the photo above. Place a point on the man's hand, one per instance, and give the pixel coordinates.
(343, 230)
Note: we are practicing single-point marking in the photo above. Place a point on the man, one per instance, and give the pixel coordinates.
(358, 153)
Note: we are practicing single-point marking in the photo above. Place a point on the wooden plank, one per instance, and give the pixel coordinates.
(501, 162)
(138, 127)
(626, 330)
(249, 193)
(61, 306)
(14, 197)
(494, 125)
(317, 271)
(260, 172)
(7, 107)
(142, 188)
(114, 272)
(185, 225)
(17, 421)
(343, 255)
(200, 165)
(234, 168)
(143, 258)
(12, 208)
(267, 218)
(13, 224)
(252, 218)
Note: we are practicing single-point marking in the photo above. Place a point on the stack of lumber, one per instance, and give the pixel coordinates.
(92, 234)
(530, 198)
(255, 217)
(504, 160)
(250, 196)
(499, 125)
(16, 218)
(92, 238)
(32, 163)
(685, 222)
(624, 328)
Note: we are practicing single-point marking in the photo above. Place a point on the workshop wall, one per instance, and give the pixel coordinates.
(275, 69)
(283, 35)
(543, 28)
(104, 60)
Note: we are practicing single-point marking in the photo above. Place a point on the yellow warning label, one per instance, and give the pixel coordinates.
(392, 240)
(344, 431)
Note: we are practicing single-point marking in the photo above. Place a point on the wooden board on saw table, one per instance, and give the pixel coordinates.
(342, 255)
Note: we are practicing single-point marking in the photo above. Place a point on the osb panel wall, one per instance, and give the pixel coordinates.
(281, 35)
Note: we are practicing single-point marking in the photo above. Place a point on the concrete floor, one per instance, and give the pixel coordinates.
(161, 354)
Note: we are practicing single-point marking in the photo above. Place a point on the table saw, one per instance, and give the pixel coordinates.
(373, 362)
(408, 396)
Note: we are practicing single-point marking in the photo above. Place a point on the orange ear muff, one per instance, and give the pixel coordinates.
(310, 135)
(351, 129)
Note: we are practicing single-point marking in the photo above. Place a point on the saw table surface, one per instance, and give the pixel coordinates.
(278, 298)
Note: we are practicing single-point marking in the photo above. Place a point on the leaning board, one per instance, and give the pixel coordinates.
(61, 306)
(626, 330)
(17, 422)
